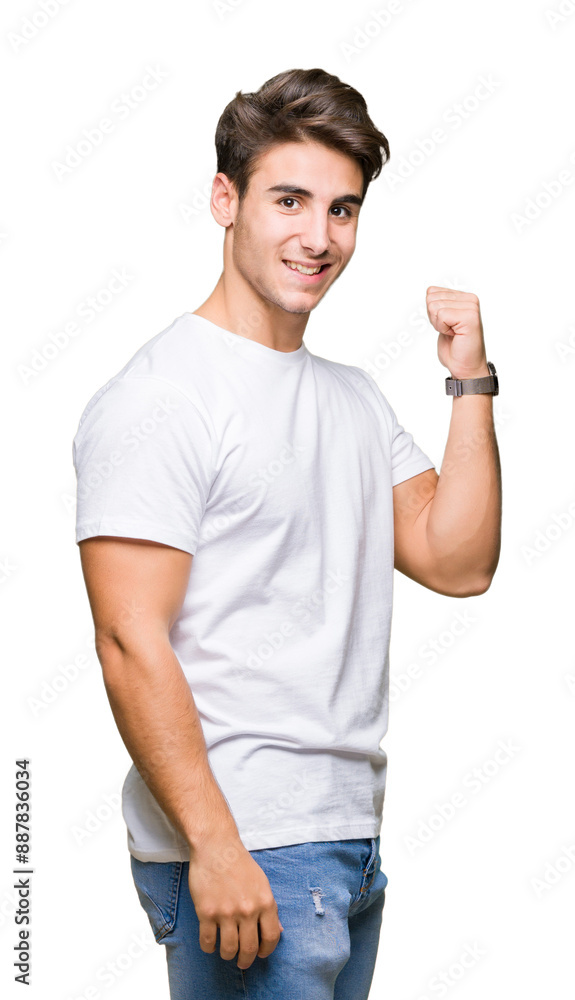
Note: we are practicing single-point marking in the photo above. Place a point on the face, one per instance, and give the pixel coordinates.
(302, 206)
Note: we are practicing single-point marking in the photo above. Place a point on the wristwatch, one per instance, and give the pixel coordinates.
(468, 386)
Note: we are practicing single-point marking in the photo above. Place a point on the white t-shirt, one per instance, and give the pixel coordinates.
(275, 470)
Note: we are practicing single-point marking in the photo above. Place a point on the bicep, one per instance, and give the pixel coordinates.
(411, 501)
(136, 587)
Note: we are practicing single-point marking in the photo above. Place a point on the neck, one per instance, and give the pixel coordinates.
(236, 307)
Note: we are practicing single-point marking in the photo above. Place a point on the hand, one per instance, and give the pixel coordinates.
(457, 318)
(230, 891)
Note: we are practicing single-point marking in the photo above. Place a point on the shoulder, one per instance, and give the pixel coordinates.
(366, 386)
(172, 365)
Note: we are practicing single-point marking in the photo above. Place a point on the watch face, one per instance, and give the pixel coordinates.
(495, 390)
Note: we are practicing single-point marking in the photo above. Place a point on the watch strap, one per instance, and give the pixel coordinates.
(470, 386)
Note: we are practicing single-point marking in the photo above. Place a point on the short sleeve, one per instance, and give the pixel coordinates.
(143, 460)
(407, 458)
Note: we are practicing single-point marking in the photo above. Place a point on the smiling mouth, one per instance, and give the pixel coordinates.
(308, 272)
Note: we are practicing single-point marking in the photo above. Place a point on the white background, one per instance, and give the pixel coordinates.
(497, 873)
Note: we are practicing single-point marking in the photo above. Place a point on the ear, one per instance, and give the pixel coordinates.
(224, 200)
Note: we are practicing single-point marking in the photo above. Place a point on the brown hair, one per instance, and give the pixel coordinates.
(295, 106)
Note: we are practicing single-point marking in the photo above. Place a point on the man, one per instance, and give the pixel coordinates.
(242, 504)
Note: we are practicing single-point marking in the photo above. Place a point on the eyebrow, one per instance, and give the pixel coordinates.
(352, 199)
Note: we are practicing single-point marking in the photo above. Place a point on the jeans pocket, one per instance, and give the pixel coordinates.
(158, 886)
(374, 878)
(379, 882)
(371, 865)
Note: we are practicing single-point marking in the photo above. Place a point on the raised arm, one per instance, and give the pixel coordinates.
(136, 589)
(448, 527)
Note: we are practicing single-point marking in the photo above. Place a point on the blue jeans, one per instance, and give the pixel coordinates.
(330, 897)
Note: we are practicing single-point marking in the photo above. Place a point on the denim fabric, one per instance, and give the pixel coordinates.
(330, 897)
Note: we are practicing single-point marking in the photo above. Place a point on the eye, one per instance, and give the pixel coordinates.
(345, 210)
(288, 199)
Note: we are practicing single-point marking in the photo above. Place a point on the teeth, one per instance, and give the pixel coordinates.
(304, 270)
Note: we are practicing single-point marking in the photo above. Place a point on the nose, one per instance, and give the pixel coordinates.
(314, 237)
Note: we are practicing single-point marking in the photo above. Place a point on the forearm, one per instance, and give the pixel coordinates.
(159, 723)
(464, 517)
